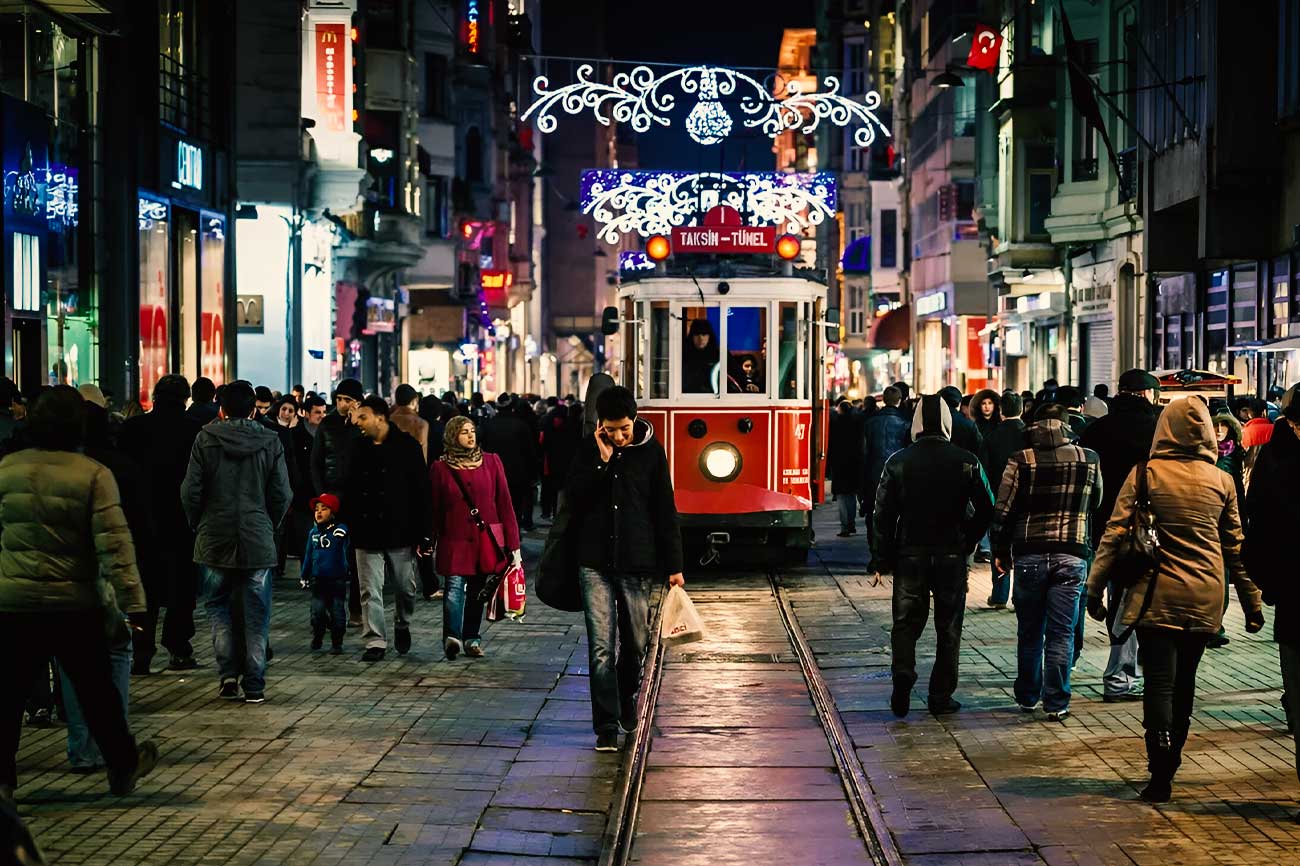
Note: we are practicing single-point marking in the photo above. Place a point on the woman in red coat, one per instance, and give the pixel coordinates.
(465, 554)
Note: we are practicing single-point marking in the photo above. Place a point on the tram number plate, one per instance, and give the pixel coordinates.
(724, 239)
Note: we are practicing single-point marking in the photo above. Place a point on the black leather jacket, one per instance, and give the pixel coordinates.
(330, 452)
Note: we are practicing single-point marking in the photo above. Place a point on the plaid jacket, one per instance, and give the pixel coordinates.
(1047, 496)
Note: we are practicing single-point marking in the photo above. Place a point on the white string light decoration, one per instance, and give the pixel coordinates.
(654, 202)
(641, 98)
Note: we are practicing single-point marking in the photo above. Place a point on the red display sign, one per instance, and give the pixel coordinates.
(496, 279)
(974, 342)
(724, 239)
(331, 41)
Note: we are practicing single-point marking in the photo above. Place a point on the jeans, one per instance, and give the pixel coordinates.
(1001, 593)
(370, 570)
(1290, 659)
(1047, 606)
(329, 608)
(848, 511)
(253, 586)
(1170, 658)
(1122, 675)
(462, 612)
(915, 578)
(77, 640)
(83, 751)
(617, 611)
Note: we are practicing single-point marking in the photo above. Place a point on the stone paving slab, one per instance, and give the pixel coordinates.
(412, 760)
(1015, 789)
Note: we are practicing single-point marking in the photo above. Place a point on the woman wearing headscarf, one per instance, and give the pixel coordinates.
(464, 480)
(1199, 528)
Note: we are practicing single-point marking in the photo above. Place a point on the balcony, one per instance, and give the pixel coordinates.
(183, 98)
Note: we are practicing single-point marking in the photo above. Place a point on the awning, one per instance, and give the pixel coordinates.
(1283, 344)
(857, 256)
(893, 330)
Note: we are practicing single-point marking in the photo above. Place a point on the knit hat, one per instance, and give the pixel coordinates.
(350, 388)
(329, 500)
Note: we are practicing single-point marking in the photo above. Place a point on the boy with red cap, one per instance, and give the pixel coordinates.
(325, 571)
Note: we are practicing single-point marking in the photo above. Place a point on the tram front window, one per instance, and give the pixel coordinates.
(700, 352)
(747, 350)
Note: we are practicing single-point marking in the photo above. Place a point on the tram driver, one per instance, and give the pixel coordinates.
(700, 358)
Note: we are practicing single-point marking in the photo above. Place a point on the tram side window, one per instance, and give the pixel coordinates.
(747, 350)
(790, 386)
(700, 352)
(659, 350)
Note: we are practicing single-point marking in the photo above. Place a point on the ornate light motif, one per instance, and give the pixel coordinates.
(654, 202)
(642, 98)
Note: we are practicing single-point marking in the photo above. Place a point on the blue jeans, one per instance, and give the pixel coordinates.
(1001, 593)
(329, 608)
(1047, 605)
(617, 610)
(83, 751)
(462, 612)
(254, 588)
(848, 503)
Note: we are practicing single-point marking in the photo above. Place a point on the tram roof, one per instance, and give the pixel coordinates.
(802, 283)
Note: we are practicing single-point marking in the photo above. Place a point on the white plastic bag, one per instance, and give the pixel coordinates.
(681, 623)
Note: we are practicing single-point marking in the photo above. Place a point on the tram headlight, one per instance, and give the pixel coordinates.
(720, 462)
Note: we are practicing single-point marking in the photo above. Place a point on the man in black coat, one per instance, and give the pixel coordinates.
(884, 434)
(620, 494)
(964, 432)
(160, 442)
(512, 438)
(1122, 439)
(932, 507)
(844, 460)
(387, 504)
(1005, 439)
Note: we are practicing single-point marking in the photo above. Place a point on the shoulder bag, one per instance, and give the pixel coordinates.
(493, 580)
(1139, 551)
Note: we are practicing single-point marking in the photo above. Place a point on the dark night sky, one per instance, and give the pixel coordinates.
(733, 33)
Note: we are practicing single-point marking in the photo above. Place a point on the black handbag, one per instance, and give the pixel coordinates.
(557, 584)
(1139, 553)
(493, 581)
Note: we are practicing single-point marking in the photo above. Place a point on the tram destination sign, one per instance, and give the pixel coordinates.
(724, 239)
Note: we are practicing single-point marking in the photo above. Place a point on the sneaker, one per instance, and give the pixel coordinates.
(403, 641)
(1027, 708)
(1058, 715)
(373, 654)
(944, 707)
(254, 697)
(900, 699)
(451, 647)
(996, 605)
(122, 784)
(474, 651)
(607, 742)
(317, 641)
(40, 719)
(1122, 697)
(182, 663)
(437, 595)
(229, 690)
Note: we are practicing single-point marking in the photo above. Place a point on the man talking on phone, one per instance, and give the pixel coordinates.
(620, 493)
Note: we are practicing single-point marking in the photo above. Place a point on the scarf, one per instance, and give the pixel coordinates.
(1226, 447)
(455, 455)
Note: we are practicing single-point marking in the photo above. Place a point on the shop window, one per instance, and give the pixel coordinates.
(659, 350)
(747, 350)
(700, 350)
(27, 272)
(791, 382)
(1244, 304)
(155, 281)
(212, 302)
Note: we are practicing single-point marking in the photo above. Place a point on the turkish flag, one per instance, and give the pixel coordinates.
(984, 47)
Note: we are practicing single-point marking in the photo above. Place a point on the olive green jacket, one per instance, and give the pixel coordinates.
(61, 530)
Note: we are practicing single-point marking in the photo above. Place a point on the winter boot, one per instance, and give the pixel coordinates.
(1177, 740)
(1160, 763)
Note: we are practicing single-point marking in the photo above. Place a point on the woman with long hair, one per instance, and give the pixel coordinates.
(1195, 510)
(473, 526)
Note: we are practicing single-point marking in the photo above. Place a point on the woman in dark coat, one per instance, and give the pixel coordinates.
(465, 555)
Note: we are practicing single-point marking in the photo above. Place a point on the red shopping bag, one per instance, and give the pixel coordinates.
(510, 597)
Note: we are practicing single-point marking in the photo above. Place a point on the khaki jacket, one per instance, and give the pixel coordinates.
(406, 419)
(1195, 506)
(61, 529)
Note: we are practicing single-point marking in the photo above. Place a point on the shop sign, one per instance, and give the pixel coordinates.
(249, 310)
(331, 40)
(189, 166)
(974, 343)
(381, 316)
(931, 303)
(472, 36)
(1013, 340)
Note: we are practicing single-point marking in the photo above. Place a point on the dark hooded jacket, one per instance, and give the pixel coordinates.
(933, 498)
(964, 432)
(884, 434)
(986, 425)
(1122, 439)
(236, 492)
(1272, 523)
(622, 512)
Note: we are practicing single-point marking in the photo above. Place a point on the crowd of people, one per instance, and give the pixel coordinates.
(1140, 515)
(114, 520)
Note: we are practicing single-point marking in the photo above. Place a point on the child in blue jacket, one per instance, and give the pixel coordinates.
(325, 571)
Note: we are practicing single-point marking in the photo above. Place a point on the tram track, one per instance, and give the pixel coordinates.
(620, 840)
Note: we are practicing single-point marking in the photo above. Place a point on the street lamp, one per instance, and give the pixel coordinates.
(947, 79)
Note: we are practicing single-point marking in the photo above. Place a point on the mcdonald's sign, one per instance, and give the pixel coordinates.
(331, 77)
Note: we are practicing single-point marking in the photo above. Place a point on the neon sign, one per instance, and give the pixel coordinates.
(496, 279)
(189, 166)
(471, 26)
(329, 68)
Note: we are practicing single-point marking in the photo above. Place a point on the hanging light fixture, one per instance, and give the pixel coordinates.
(947, 79)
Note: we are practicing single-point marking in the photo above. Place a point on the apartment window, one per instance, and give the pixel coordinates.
(855, 222)
(963, 108)
(857, 309)
(1084, 166)
(888, 238)
(1040, 201)
(437, 215)
(176, 62)
(435, 85)
(855, 72)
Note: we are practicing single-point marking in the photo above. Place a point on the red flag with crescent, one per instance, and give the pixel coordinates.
(984, 48)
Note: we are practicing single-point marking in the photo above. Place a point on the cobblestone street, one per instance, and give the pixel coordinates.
(420, 760)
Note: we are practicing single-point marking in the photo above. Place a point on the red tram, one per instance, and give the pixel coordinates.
(728, 371)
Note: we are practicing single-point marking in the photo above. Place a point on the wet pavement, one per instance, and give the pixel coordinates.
(418, 760)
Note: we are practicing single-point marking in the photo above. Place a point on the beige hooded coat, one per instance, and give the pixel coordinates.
(1196, 516)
